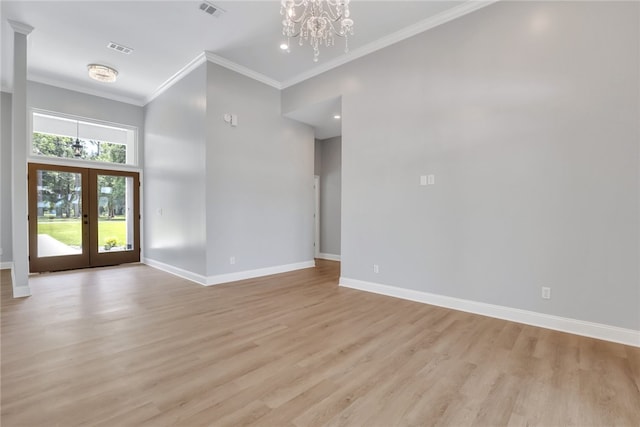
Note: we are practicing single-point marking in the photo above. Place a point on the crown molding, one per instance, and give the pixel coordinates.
(20, 27)
(434, 21)
(84, 90)
(195, 63)
(212, 57)
(420, 27)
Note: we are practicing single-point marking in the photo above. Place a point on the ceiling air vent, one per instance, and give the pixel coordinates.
(211, 9)
(119, 48)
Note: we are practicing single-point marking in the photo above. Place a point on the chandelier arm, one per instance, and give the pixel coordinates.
(333, 28)
(331, 17)
(294, 3)
(302, 16)
(337, 32)
(330, 14)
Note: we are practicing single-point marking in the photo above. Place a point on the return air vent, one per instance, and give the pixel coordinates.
(211, 9)
(119, 48)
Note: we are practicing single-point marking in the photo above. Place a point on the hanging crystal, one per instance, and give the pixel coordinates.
(317, 22)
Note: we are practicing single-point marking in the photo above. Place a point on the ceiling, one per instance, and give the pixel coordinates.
(168, 36)
(325, 117)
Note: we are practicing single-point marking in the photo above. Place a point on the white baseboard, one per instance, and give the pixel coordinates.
(250, 274)
(18, 291)
(330, 257)
(176, 271)
(563, 324)
(21, 291)
(225, 278)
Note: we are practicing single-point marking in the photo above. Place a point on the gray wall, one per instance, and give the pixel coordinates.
(330, 195)
(260, 198)
(5, 177)
(527, 114)
(175, 175)
(214, 191)
(67, 101)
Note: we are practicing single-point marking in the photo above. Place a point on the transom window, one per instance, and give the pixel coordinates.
(75, 138)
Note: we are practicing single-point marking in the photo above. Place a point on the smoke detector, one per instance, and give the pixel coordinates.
(211, 9)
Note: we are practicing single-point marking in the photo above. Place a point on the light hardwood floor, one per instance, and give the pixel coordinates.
(132, 345)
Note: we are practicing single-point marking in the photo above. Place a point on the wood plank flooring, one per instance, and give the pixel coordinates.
(134, 346)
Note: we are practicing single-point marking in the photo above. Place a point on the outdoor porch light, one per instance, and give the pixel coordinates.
(77, 146)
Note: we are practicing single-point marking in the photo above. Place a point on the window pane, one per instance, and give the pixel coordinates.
(115, 210)
(74, 139)
(62, 147)
(59, 213)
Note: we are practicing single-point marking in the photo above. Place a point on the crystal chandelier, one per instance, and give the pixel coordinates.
(317, 21)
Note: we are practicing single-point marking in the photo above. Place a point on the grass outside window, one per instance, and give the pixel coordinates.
(69, 231)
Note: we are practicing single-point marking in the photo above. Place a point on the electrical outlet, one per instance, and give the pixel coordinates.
(376, 268)
(232, 260)
(546, 292)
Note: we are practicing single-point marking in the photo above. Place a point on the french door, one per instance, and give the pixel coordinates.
(80, 217)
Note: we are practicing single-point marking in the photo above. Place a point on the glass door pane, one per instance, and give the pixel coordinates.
(59, 216)
(115, 213)
(58, 221)
(115, 217)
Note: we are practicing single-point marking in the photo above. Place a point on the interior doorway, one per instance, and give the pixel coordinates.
(325, 117)
(316, 217)
(81, 217)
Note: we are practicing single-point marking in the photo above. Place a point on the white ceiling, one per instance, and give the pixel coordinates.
(321, 116)
(169, 35)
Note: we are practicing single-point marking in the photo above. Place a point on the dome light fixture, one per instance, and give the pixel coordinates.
(102, 73)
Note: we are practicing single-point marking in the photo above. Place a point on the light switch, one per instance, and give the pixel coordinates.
(423, 180)
(234, 120)
(431, 179)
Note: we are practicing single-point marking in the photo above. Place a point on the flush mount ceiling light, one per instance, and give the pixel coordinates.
(102, 73)
(316, 21)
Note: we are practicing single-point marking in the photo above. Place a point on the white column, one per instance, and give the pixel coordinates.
(19, 144)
